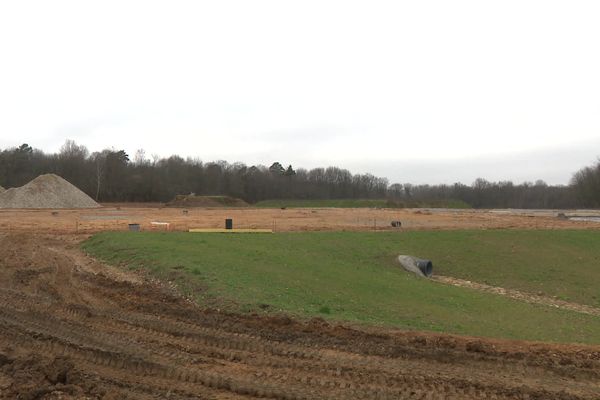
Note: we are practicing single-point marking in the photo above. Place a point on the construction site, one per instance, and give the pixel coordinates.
(73, 327)
(236, 200)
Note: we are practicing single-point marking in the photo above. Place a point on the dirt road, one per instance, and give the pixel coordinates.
(72, 328)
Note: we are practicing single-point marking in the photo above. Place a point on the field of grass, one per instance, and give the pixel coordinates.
(360, 203)
(206, 201)
(354, 276)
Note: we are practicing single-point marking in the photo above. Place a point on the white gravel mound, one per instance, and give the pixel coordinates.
(46, 191)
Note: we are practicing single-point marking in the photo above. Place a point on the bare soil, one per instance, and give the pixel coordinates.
(118, 216)
(73, 328)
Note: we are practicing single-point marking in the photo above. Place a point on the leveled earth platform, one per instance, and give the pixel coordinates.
(113, 217)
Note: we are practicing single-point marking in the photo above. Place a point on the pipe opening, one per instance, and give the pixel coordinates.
(426, 267)
(418, 266)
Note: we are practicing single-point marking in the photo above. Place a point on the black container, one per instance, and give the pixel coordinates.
(229, 223)
(425, 266)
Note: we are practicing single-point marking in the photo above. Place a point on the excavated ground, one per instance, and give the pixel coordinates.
(118, 216)
(72, 328)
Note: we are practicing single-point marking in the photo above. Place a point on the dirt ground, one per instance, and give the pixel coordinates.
(118, 216)
(73, 328)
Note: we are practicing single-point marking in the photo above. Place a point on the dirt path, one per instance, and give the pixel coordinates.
(71, 328)
(518, 295)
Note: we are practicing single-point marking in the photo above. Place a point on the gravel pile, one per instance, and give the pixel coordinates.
(46, 191)
(2, 189)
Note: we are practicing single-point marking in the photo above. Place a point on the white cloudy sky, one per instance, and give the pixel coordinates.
(418, 91)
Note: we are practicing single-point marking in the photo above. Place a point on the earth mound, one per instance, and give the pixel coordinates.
(206, 201)
(46, 191)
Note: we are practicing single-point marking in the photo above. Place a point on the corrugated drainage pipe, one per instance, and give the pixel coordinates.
(417, 266)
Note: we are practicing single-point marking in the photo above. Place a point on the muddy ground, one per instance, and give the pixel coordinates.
(117, 217)
(72, 328)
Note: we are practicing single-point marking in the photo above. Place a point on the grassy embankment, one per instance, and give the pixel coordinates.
(360, 203)
(354, 276)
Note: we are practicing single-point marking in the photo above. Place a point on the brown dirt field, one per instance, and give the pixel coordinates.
(72, 328)
(117, 217)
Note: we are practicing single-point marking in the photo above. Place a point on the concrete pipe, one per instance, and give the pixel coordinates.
(418, 266)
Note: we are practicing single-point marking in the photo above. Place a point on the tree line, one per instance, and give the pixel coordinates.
(112, 176)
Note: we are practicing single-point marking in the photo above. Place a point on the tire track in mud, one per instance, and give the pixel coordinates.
(137, 340)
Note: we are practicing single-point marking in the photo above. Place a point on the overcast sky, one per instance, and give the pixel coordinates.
(417, 91)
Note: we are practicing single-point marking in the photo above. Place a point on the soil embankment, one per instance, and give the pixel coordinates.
(73, 328)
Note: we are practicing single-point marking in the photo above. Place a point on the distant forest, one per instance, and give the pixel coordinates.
(113, 176)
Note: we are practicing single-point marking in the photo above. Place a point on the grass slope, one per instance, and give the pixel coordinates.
(560, 263)
(182, 200)
(360, 203)
(354, 276)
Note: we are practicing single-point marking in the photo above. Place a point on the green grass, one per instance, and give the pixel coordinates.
(182, 200)
(564, 264)
(360, 203)
(354, 276)
(336, 203)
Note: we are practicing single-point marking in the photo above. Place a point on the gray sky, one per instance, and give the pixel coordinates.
(418, 91)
